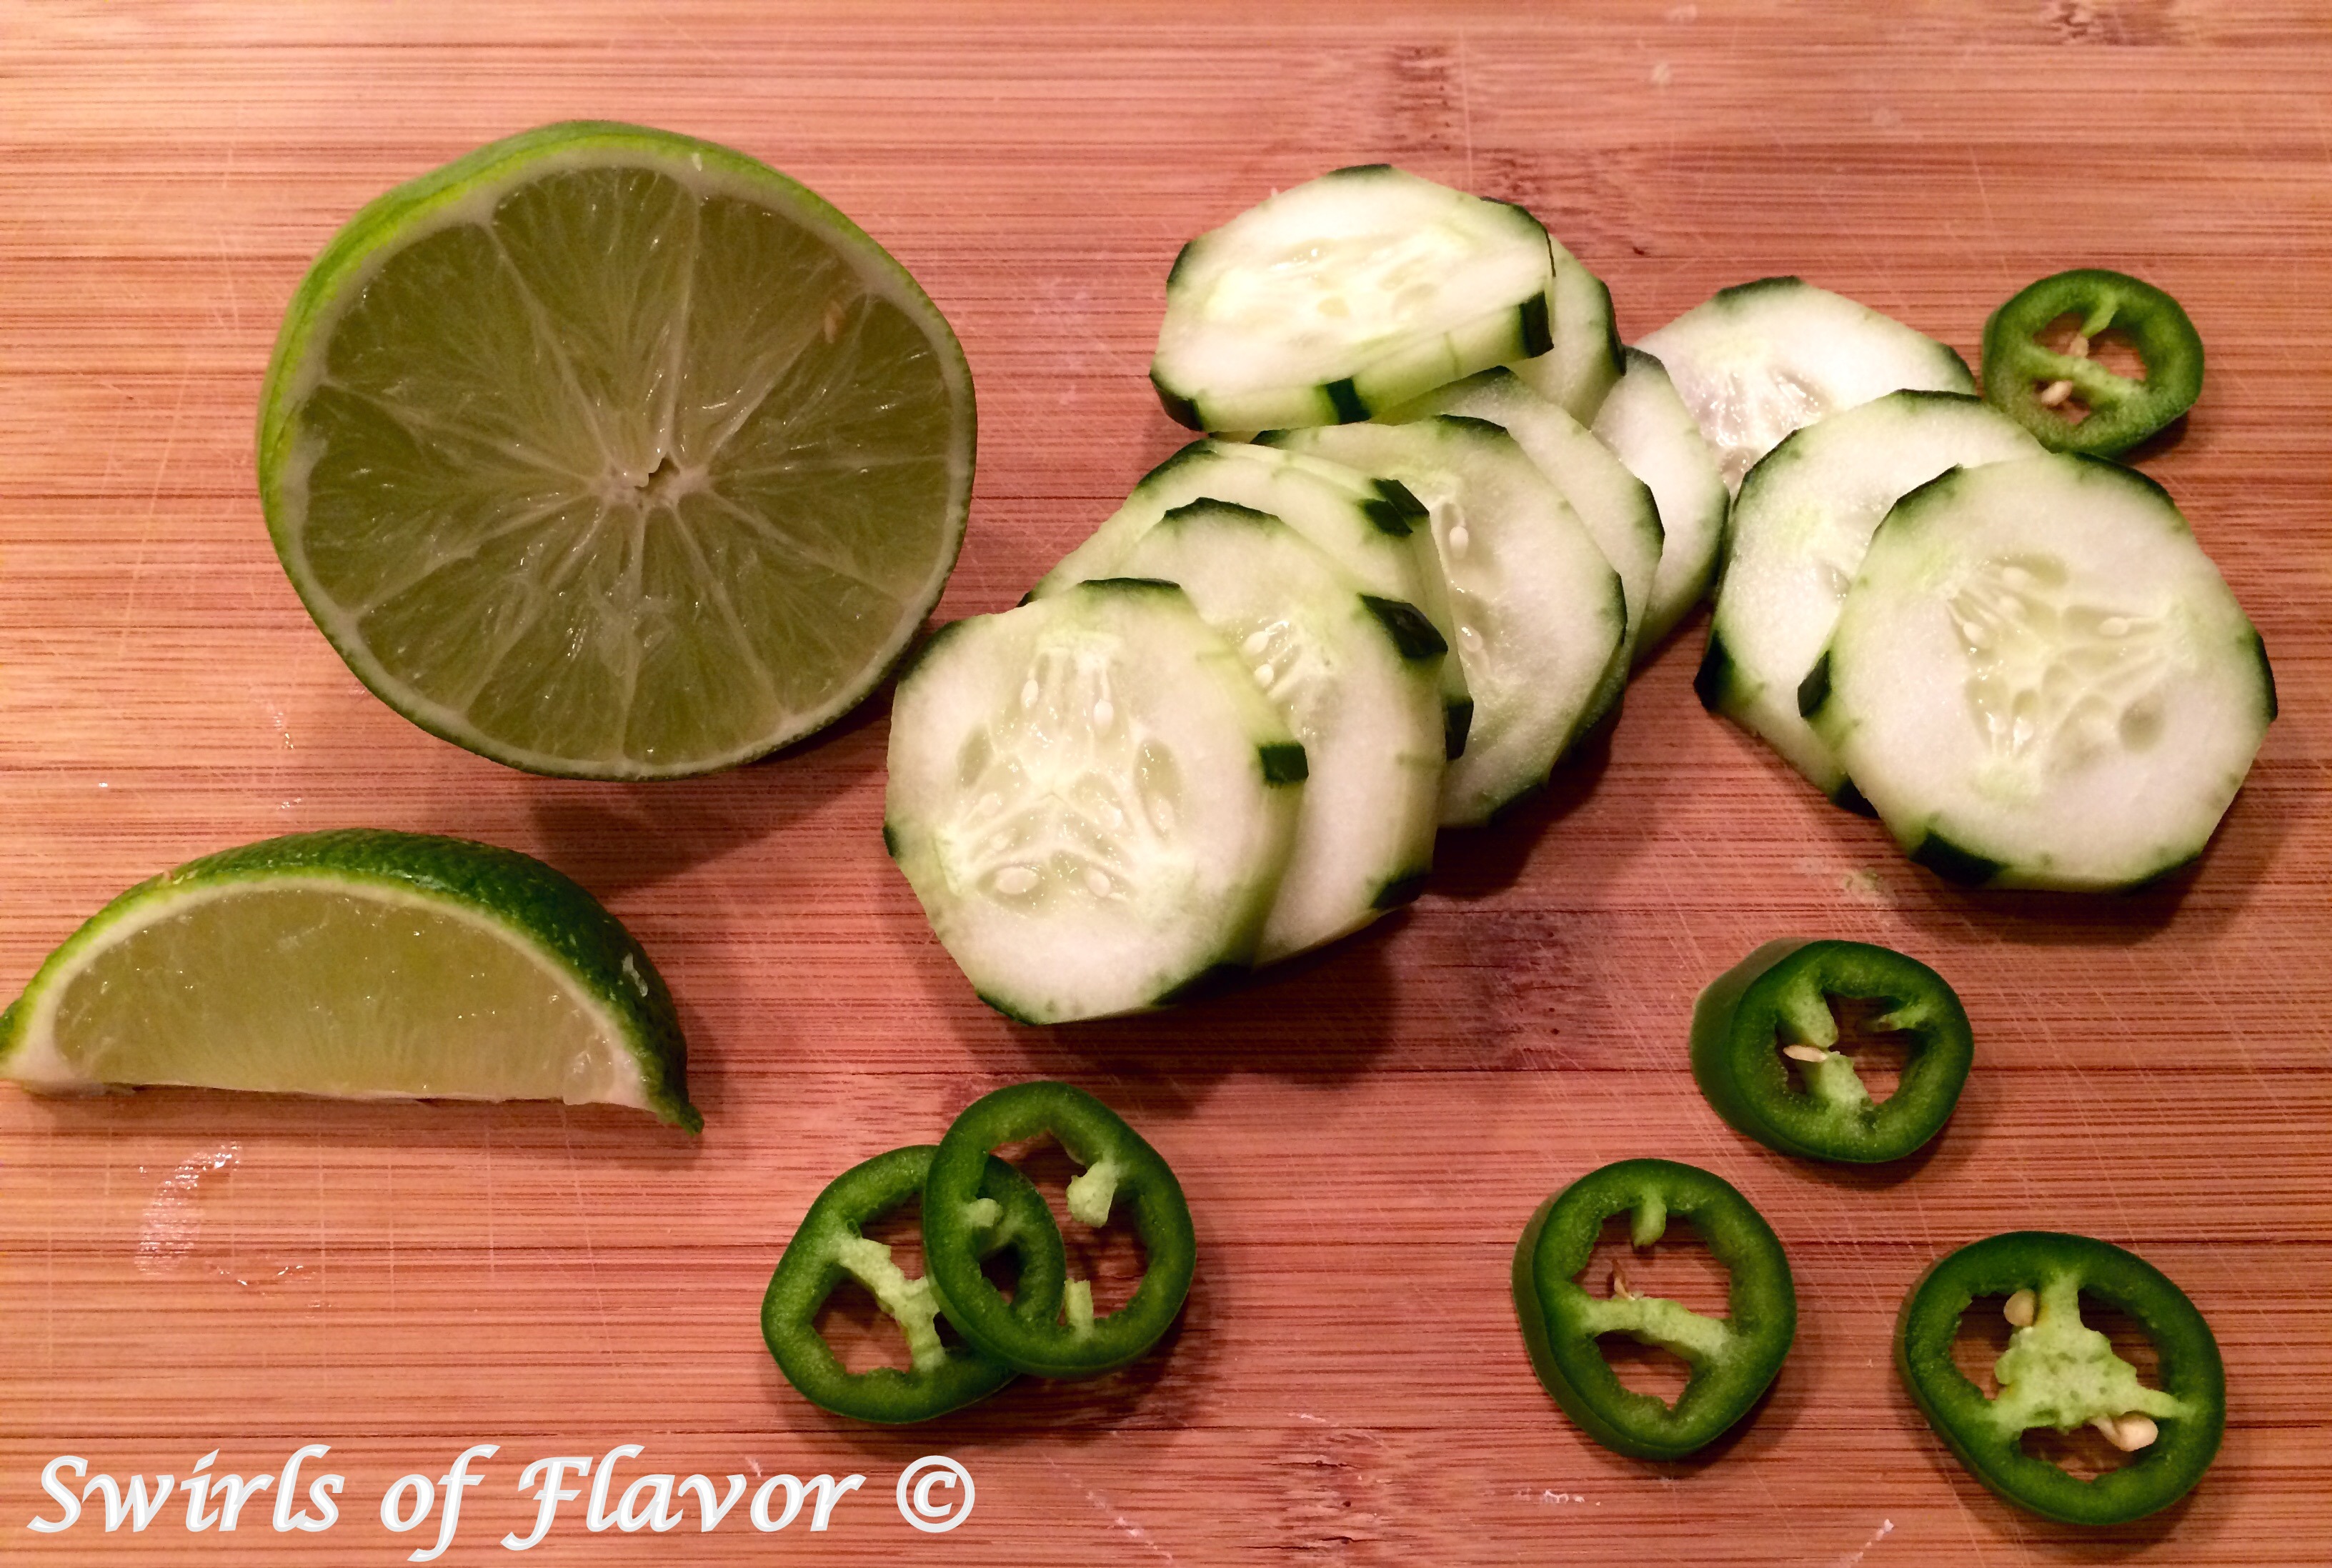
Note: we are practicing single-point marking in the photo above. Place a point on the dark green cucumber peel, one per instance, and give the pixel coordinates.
(1785, 452)
(915, 656)
(1814, 690)
(1713, 682)
(1457, 723)
(1505, 202)
(1523, 800)
(1613, 685)
(2168, 874)
(1614, 348)
(1812, 693)
(1932, 394)
(1005, 1009)
(1207, 506)
(1402, 889)
(1181, 258)
(1212, 980)
(1538, 326)
(1395, 510)
(2105, 471)
(1412, 634)
(1181, 410)
(1137, 585)
(1341, 401)
(1921, 495)
(1283, 764)
(2267, 673)
(1630, 357)
(1848, 796)
(1954, 864)
(1199, 451)
(1536, 323)
(1468, 422)
(1791, 447)
(1739, 292)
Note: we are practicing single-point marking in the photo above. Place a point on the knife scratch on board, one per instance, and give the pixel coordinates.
(1884, 1527)
(1118, 1521)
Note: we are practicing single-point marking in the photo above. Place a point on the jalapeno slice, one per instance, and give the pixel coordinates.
(2033, 383)
(831, 1245)
(1734, 1358)
(1072, 1343)
(2060, 1372)
(1771, 1012)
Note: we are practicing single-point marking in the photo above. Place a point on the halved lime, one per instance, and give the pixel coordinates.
(608, 453)
(357, 964)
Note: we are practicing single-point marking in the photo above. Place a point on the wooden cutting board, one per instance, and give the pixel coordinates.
(1362, 1136)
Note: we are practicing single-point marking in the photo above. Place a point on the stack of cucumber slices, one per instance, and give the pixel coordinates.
(1226, 727)
(1442, 515)
(2038, 679)
(2020, 659)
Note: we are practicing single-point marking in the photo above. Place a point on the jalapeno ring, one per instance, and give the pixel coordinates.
(1783, 989)
(830, 1245)
(2032, 383)
(1073, 1342)
(2060, 1372)
(1734, 1358)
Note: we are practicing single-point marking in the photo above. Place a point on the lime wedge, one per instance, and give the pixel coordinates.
(607, 453)
(360, 964)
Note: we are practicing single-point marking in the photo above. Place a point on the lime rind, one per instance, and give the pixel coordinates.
(526, 906)
(471, 188)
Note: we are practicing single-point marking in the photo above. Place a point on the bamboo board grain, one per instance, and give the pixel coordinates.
(1363, 1137)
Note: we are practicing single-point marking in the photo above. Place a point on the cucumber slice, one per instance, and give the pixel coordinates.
(1616, 506)
(1091, 800)
(1758, 360)
(1371, 527)
(1353, 675)
(2039, 680)
(1541, 614)
(1347, 295)
(1647, 425)
(1803, 518)
(1585, 363)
